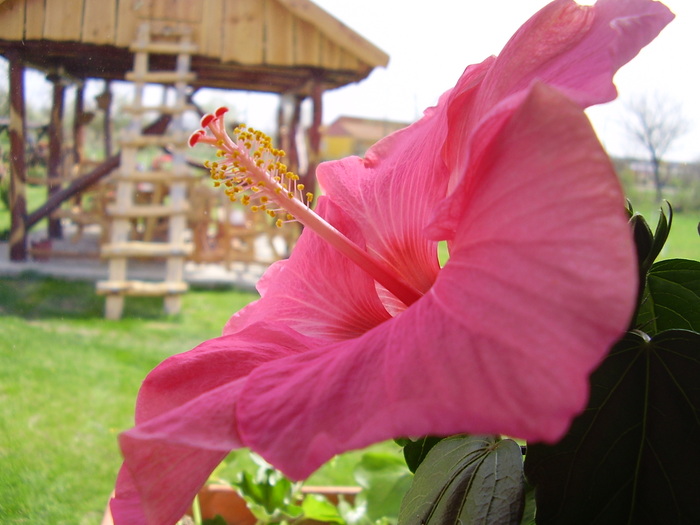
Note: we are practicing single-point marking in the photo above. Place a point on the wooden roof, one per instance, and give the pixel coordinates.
(273, 46)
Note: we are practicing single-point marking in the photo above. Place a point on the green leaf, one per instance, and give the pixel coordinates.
(633, 456)
(385, 479)
(467, 479)
(672, 297)
(320, 509)
(414, 452)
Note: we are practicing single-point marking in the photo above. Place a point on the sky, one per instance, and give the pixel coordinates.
(431, 42)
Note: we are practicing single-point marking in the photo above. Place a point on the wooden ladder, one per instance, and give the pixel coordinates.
(172, 205)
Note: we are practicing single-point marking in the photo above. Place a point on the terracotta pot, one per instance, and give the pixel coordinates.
(223, 500)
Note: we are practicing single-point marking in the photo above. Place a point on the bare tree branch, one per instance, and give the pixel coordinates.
(655, 122)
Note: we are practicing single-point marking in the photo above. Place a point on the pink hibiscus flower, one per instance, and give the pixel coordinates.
(361, 336)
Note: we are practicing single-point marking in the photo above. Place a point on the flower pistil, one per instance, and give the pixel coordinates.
(252, 172)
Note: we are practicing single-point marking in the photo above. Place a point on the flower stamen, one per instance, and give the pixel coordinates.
(252, 171)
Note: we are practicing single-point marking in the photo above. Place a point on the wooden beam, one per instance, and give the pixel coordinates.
(104, 102)
(53, 171)
(78, 124)
(292, 129)
(81, 184)
(309, 178)
(18, 167)
(337, 32)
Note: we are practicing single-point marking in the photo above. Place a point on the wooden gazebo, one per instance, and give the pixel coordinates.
(288, 47)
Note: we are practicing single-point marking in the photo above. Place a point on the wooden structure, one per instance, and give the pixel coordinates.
(288, 47)
(175, 41)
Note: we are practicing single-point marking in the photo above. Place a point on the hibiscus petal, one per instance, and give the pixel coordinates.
(540, 284)
(392, 192)
(186, 424)
(575, 48)
(295, 292)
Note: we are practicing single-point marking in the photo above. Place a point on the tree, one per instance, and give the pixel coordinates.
(655, 122)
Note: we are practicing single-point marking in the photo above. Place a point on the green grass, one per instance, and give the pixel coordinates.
(68, 381)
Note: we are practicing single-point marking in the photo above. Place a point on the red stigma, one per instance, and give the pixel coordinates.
(194, 138)
(206, 120)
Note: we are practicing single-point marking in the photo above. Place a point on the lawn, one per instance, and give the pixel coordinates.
(68, 381)
(69, 378)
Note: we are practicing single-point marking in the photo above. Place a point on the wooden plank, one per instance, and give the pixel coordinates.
(159, 210)
(330, 54)
(159, 109)
(175, 10)
(154, 140)
(160, 77)
(337, 32)
(34, 20)
(243, 31)
(12, 20)
(164, 48)
(18, 167)
(128, 13)
(210, 33)
(100, 22)
(307, 44)
(141, 288)
(63, 20)
(279, 31)
(161, 177)
(145, 249)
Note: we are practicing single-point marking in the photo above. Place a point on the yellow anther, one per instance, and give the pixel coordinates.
(264, 199)
(290, 217)
(254, 208)
(271, 213)
(290, 195)
(309, 197)
(300, 187)
(279, 223)
(245, 200)
(220, 153)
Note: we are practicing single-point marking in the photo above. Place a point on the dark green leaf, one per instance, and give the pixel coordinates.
(467, 479)
(633, 456)
(672, 297)
(414, 452)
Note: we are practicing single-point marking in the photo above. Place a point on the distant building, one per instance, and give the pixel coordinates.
(354, 135)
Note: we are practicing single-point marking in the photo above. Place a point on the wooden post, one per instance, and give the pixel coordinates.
(78, 124)
(53, 172)
(292, 130)
(18, 174)
(104, 102)
(309, 178)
